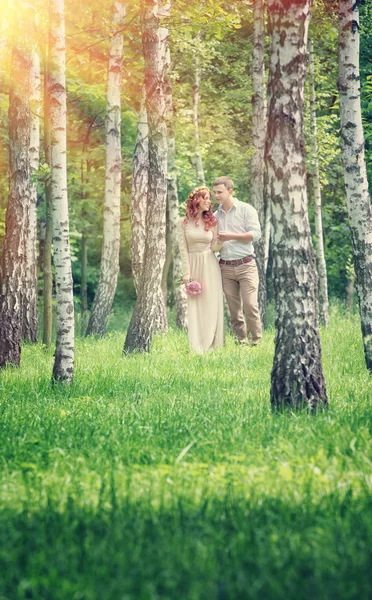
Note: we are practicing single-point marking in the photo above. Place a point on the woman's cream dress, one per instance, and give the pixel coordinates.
(205, 311)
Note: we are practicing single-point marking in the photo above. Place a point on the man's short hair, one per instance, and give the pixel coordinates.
(226, 181)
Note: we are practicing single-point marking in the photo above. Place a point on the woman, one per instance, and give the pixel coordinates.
(205, 310)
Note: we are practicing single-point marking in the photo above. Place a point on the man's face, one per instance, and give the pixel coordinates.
(221, 193)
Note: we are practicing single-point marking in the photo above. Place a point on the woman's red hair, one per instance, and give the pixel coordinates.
(193, 205)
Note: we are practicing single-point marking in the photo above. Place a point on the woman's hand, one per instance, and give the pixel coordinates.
(185, 279)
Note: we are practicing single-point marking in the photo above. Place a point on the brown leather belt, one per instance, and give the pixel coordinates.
(237, 261)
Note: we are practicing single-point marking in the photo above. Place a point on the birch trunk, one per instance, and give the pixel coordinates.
(13, 256)
(259, 110)
(297, 379)
(111, 212)
(173, 206)
(355, 175)
(167, 263)
(350, 291)
(30, 299)
(197, 156)
(322, 267)
(84, 245)
(149, 314)
(63, 369)
(140, 182)
(47, 251)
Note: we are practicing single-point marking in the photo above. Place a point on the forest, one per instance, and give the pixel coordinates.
(133, 467)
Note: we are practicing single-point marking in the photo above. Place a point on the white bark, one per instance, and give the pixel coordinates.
(196, 95)
(30, 308)
(321, 263)
(297, 378)
(355, 175)
(13, 255)
(149, 314)
(173, 207)
(111, 213)
(63, 369)
(259, 123)
(47, 250)
(140, 182)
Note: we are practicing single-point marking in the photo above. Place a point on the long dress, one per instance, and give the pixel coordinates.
(205, 311)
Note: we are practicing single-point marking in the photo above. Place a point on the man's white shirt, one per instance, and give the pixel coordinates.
(241, 218)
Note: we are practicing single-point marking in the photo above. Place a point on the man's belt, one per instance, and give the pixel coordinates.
(237, 261)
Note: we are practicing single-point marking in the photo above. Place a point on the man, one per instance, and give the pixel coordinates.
(238, 227)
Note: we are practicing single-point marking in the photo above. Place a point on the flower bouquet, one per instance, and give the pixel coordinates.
(193, 288)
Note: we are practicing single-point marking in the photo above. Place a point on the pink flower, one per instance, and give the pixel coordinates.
(193, 288)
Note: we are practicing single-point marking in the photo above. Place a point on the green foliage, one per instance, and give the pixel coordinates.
(167, 476)
(219, 34)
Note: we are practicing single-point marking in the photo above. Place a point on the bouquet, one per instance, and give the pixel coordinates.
(193, 288)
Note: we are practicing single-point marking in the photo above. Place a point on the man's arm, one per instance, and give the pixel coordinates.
(252, 225)
(225, 236)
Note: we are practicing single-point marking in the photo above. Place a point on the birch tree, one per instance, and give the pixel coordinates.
(111, 213)
(140, 179)
(355, 175)
(321, 263)
(297, 379)
(63, 369)
(259, 110)
(173, 205)
(149, 312)
(30, 298)
(47, 252)
(13, 257)
(196, 95)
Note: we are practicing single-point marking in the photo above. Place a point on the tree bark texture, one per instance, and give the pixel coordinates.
(321, 263)
(297, 379)
(197, 155)
(259, 123)
(356, 184)
(63, 369)
(173, 206)
(167, 263)
(111, 213)
(13, 256)
(47, 250)
(140, 181)
(30, 298)
(149, 314)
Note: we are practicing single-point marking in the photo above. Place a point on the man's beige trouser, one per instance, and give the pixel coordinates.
(240, 285)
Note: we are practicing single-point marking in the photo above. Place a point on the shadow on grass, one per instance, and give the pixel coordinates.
(223, 549)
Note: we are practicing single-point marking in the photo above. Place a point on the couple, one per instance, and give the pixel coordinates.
(231, 230)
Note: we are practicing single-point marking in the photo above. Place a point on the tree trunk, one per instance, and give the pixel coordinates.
(140, 180)
(350, 291)
(167, 264)
(84, 242)
(259, 111)
(297, 379)
(63, 369)
(111, 213)
(47, 249)
(355, 175)
(173, 204)
(322, 267)
(13, 257)
(197, 156)
(149, 312)
(30, 298)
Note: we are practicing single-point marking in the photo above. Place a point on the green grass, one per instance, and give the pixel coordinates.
(167, 476)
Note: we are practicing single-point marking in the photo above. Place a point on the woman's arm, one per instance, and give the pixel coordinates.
(216, 245)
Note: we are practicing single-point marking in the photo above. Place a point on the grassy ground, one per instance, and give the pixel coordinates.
(166, 476)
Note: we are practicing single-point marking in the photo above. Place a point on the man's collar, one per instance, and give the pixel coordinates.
(234, 203)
